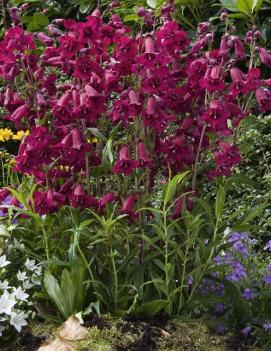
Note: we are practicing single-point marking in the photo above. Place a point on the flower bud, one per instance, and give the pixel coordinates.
(141, 11)
(114, 4)
(58, 21)
(203, 27)
(53, 31)
(148, 19)
(223, 16)
(41, 101)
(25, 7)
(14, 15)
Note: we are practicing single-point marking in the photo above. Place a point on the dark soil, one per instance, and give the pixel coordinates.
(96, 321)
(235, 343)
(137, 333)
(26, 342)
(147, 332)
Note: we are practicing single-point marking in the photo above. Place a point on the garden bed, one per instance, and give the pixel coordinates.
(135, 335)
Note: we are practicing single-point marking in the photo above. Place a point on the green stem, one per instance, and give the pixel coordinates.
(184, 268)
(115, 278)
(166, 256)
(197, 160)
(86, 262)
(45, 240)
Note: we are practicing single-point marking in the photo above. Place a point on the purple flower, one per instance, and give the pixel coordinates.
(267, 279)
(219, 308)
(220, 329)
(246, 331)
(248, 294)
(240, 247)
(190, 280)
(238, 272)
(268, 246)
(267, 326)
(7, 200)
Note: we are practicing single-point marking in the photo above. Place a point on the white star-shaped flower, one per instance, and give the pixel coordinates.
(19, 294)
(4, 285)
(7, 302)
(30, 264)
(36, 281)
(27, 284)
(3, 261)
(38, 271)
(18, 320)
(21, 276)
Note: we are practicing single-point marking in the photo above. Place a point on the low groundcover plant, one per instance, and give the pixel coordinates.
(15, 294)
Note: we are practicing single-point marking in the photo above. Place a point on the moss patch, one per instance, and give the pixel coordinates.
(141, 336)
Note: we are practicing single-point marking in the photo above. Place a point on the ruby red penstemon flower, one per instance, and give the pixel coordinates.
(153, 87)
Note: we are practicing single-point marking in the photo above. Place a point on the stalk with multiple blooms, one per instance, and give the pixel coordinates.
(170, 101)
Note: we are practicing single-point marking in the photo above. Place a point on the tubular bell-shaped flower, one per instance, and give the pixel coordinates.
(213, 80)
(124, 164)
(144, 160)
(128, 207)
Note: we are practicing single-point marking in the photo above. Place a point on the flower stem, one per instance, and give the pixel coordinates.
(194, 180)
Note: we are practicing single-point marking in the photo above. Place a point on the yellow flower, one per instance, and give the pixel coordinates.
(20, 134)
(64, 168)
(92, 140)
(5, 134)
(4, 154)
(12, 162)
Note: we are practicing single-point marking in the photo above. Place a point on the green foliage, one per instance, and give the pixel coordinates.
(255, 134)
(69, 295)
(127, 266)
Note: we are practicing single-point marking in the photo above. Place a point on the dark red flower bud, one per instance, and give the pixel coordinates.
(239, 49)
(265, 57)
(76, 139)
(128, 207)
(141, 11)
(144, 160)
(79, 190)
(44, 39)
(41, 101)
(53, 31)
(114, 4)
(65, 99)
(203, 27)
(224, 48)
(25, 6)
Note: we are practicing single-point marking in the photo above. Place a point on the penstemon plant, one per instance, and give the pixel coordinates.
(112, 117)
(158, 100)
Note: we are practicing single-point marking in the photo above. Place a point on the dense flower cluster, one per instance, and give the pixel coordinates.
(252, 277)
(15, 296)
(172, 100)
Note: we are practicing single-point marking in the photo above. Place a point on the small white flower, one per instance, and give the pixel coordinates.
(27, 284)
(19, 294)
(30, 264)
(3, 261)
(38, 271)
(4, 285)
(7, 302)
(18, 320)
(36, 281)
(21, 276)
(2, 328)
